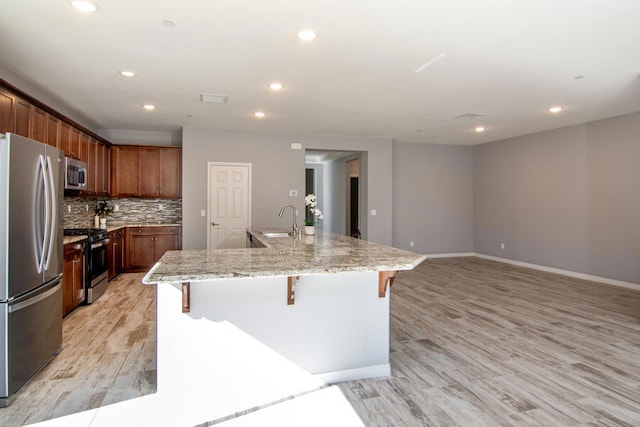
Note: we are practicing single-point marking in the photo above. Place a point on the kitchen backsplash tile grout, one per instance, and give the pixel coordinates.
(136, 211)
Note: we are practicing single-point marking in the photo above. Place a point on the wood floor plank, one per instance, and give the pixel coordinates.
(108, 355)
(479, 342)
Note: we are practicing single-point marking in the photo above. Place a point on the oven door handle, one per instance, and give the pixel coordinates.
(100, 244)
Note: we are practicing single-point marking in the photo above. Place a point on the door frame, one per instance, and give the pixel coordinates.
(210, 165)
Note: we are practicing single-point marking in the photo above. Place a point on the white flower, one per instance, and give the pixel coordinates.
(311, 203)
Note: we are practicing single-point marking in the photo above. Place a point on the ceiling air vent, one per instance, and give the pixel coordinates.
(213, 98)
(469, 116)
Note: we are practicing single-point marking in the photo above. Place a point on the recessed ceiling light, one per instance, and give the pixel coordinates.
(127, 73)
(276, 86)
(168, 23)
(259, 114)
(555, 109)
(86, 6)
(480, 129)
(149, 107)
(306, 35)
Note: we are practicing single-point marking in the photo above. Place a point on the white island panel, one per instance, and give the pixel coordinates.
(338, 326)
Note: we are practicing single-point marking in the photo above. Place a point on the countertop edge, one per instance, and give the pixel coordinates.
(152, 277)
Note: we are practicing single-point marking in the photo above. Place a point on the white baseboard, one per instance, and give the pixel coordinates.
(452, 255)
(355, 374)
(569, 273)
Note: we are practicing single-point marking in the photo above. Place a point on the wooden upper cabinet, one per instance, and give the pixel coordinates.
(23, 117)
(7, 111)
(148, 168)
(53, 131)
(64, 138)
(88, 150)
(170, 174)
(146, 172)
(124, 174)
(70, 140)
(37, 121)
(38, 124)
(84, 148)
(106, 169)
(75, 143)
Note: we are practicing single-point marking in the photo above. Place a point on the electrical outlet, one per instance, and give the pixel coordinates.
(501, 245)
(86, 208)
(411, 243)
(293, 193)
(69, 208)
(160, 207)
(116, 208)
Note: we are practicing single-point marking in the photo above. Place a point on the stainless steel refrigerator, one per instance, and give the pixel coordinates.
(31, 256)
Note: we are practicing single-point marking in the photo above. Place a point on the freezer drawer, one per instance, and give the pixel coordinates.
(31, 333)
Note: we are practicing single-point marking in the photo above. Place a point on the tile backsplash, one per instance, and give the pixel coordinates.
(79, 211)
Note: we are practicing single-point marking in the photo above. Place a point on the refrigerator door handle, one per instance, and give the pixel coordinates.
(50, 212)
(29, 302)
(41, 255)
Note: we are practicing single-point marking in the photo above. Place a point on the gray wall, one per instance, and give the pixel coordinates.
(433, 198)
(276, 170)
(567, 198)
(334, 185)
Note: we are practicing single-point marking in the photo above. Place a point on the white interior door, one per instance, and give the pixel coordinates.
(229, 204)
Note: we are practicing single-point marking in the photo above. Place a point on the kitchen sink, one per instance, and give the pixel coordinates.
(274, 233)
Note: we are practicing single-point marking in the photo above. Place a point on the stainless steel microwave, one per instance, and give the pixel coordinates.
(75, 174)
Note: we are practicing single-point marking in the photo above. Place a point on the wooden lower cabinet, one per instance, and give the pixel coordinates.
(73, 276)
(146, 245)
(116, 252)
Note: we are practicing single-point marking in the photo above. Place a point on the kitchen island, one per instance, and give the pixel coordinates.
(320, 301)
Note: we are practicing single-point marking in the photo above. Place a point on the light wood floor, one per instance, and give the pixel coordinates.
(476, 342)
(108, 355)
(473, 342)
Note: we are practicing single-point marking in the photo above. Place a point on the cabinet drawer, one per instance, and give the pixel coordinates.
(116, 234)
(152, 231)
(166, 230)
(141, 231)
(70, 248)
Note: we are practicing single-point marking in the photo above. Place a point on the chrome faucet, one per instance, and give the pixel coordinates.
(294, 227)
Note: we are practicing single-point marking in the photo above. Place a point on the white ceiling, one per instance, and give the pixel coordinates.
(364, 75)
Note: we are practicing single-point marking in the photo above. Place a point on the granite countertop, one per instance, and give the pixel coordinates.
(324, 253)
(113, 227)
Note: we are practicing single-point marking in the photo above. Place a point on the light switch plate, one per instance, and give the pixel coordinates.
(203, 213)
(296, 146)
(374, 212)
